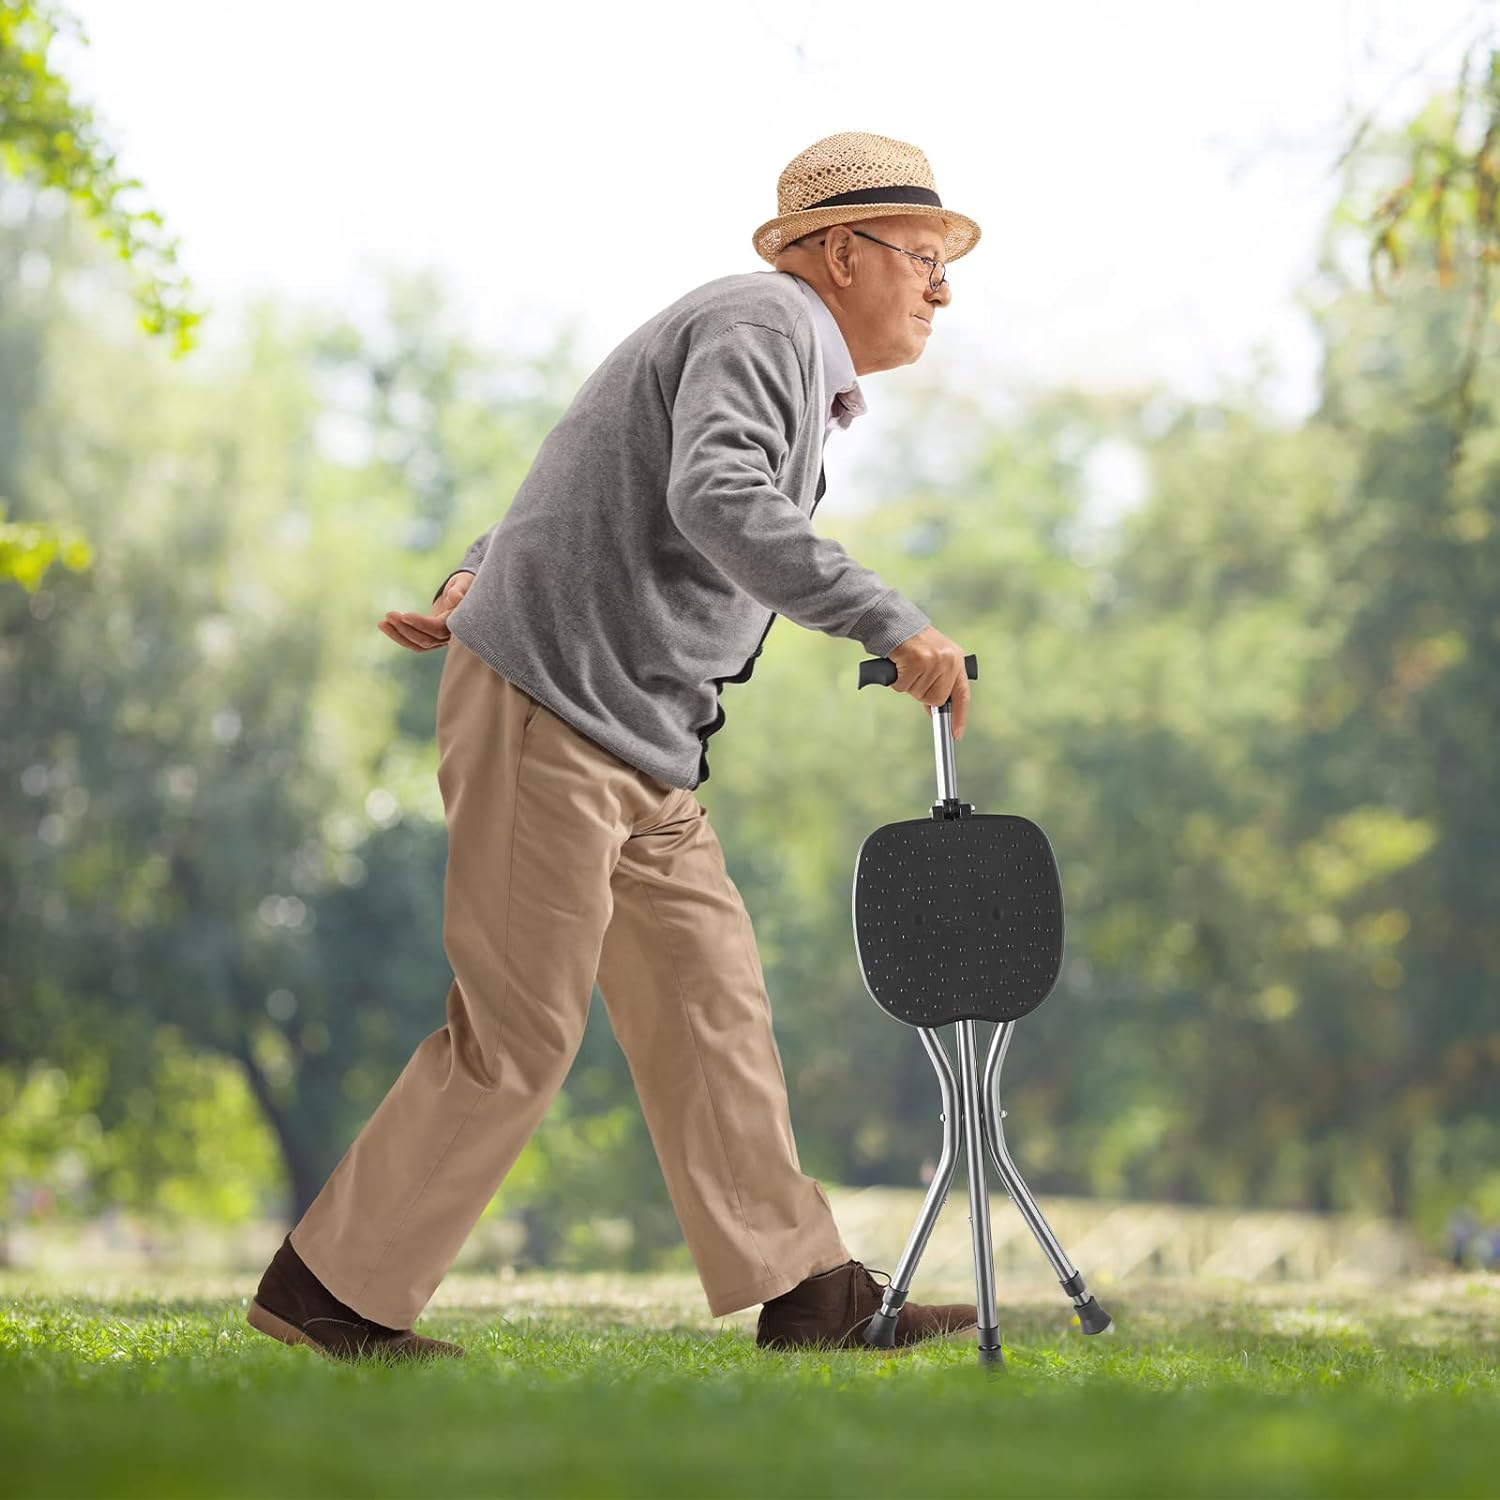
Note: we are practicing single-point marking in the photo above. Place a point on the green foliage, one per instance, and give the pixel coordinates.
(47, 137)
(28, 550)
(193, 1144)
(1255, 717)
(1452, 152)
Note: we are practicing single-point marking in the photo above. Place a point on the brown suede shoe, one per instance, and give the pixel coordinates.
(832, 1308)
(292, 1305)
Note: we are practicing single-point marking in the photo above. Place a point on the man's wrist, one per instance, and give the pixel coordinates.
(449, 579)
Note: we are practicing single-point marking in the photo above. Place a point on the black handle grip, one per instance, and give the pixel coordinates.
(881, 670)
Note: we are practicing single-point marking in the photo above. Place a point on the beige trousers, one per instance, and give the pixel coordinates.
(566, 865)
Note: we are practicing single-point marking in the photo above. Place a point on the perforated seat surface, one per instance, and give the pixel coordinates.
(958, 919)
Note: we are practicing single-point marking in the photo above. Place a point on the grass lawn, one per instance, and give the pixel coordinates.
(617, 1385)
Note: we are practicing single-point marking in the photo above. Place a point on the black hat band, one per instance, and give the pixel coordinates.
(921, 195)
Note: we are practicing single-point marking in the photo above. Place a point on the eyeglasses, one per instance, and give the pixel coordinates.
(935, 277)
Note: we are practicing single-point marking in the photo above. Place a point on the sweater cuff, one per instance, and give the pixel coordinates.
(888, 623)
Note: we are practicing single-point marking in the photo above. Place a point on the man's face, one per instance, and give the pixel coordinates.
(881, 300)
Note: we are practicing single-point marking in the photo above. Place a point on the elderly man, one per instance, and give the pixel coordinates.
(662, 526)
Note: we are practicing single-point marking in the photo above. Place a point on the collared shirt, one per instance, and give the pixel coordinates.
(846, 400)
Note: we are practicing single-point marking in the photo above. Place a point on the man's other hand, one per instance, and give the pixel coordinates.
(425, 632)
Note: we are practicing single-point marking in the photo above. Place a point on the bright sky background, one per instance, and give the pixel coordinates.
(1150, 176)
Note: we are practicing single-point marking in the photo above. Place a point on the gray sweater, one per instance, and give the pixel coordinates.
(665, 523)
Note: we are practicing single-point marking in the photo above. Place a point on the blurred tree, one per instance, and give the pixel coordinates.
(1253, 716)
(203, 768)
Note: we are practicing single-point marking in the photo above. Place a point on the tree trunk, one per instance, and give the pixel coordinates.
(302, 1170)
(1398, 1171)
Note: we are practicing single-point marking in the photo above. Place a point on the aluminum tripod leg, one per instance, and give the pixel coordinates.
(979, 1198)
(1091, 1317)
(881, 1329)
(966, 1108)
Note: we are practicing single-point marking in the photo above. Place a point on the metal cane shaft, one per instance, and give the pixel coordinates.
(942, 747)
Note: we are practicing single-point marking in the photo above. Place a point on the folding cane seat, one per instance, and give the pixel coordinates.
(958, 918)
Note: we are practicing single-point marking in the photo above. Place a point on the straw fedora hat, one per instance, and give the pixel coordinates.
(852, 176)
